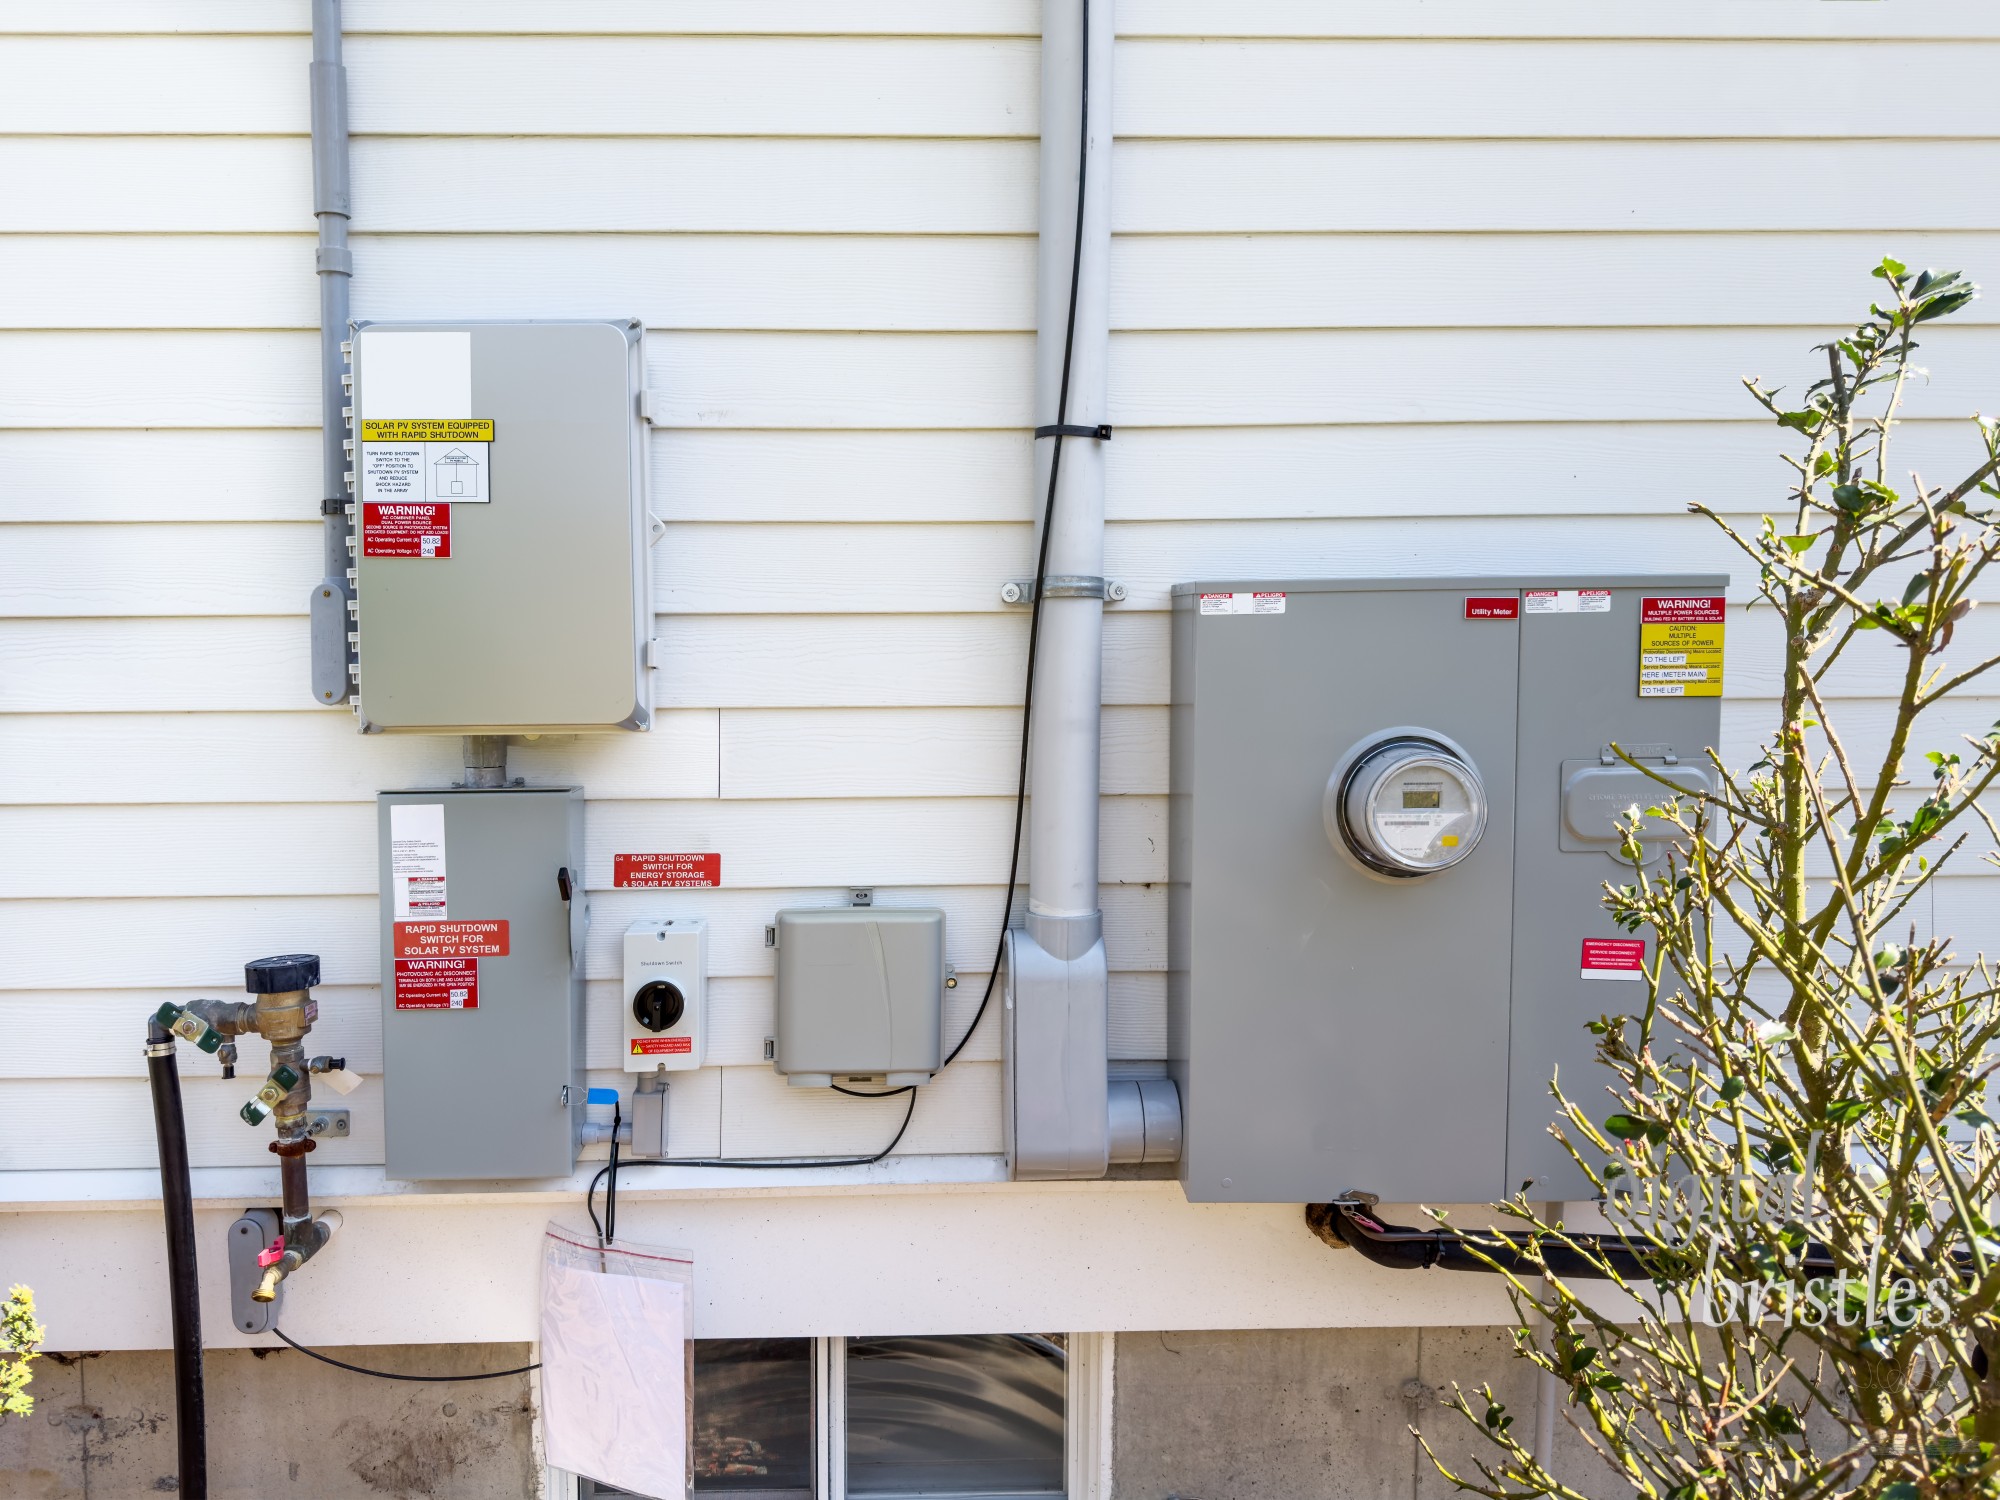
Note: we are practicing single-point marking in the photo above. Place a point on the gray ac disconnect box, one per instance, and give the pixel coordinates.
(1392, 813)
(501, 527)
(860, 995)
(483, 927)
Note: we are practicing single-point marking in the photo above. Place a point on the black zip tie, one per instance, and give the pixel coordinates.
(1102, 432)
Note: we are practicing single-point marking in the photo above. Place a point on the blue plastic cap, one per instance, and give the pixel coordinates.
(602, 1096)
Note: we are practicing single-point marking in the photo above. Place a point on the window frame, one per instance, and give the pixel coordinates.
(1088, 1384)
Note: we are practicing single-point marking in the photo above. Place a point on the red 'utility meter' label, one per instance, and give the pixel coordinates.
(451, 939)
(1615, 958)
(1499, 607)
(652, 1046)
(635, 870)
(412, 528)
(437, 984)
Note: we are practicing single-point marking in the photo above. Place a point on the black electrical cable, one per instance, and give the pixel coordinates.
(590, 1195)
(611, 1169)
(341, 1364)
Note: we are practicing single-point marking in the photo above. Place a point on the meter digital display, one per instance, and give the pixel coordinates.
(1407, 806)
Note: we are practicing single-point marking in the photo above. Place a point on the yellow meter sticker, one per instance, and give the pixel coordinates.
(1680, 646)
(428, 430)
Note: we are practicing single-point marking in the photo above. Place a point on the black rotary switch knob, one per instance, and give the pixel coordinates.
(658, 1005)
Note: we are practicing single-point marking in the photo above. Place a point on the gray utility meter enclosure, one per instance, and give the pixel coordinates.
(1393, 811)
(501, 530)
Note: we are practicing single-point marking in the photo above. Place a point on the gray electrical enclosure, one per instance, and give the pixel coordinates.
(1342, 1021)
(860, 995)
(483, 927)
(501, 529)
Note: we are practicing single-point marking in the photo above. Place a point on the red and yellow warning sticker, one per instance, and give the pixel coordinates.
(1680, 646)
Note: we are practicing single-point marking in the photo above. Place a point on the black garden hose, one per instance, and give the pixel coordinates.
(183, 1276)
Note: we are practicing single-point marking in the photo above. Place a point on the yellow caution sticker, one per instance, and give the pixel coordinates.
(1680, 646)
(428, 430)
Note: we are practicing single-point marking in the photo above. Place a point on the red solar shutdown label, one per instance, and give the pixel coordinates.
(1614, 958)
(413, 528)
(630, 871)
(437, 984)
(653, 1046)
(1499, 607)
(451, 939)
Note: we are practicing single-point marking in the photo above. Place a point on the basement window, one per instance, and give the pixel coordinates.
(972, 1417)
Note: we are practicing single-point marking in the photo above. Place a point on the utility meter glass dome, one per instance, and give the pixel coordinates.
(1412, 807)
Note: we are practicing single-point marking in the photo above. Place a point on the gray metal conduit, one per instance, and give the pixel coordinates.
(331, 682)
(1065, 1118)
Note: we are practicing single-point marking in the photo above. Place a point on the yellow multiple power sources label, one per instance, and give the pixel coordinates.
(1680, 646)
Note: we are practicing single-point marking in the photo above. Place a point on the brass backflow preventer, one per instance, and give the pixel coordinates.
(282, 1013)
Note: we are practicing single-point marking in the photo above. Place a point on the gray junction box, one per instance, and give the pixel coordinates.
(482, 981)
(502, 537)
(1387, 1017)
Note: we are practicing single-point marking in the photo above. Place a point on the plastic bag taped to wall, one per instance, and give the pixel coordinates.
(617, 1357)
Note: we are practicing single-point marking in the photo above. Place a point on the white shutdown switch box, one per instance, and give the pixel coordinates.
(666, 995)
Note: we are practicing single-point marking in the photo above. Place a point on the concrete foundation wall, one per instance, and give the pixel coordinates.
(1286, 1414)
(278, 1425)
(1300, 1414)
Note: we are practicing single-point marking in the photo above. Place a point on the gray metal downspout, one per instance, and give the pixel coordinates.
(1059, 1105)
(329, 607)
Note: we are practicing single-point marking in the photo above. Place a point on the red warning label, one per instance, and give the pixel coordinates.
(638, 870)
(1615, 958)
(1498, 607)
(1667, 611)
(437, 984)
(451, 939)
(412, 528)
(662, 1046)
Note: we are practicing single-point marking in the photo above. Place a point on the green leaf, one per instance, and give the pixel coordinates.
(1845, 1111)
(1799, 421)
(1902, 1489)
(1581, 1359)
(1890, 269)
(1732, 1088)
(1976, 1118)
(1850, 497)
(1798, 544)
(1625, 1127)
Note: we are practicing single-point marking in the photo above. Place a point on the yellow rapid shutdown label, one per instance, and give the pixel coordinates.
(1680, 646)
(428, 430)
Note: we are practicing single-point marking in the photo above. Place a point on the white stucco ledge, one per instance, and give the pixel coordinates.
(918, 1246)
(124, 1188)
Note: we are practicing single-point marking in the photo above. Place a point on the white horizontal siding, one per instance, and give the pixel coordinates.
(172, 476)
(1250, 377)
(1401, 290)
(1193, 18)
(966, 283)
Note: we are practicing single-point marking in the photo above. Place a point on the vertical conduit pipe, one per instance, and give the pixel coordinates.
(1057, 978)
(335, 265)
(183, 1273)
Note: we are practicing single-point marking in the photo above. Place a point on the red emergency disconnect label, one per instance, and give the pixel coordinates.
(451, 939)
(1496, 607)
(662, 1046)
(1615, 958)
(437, 984)
(1704, 609)
(630, 871)
(412, 528)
